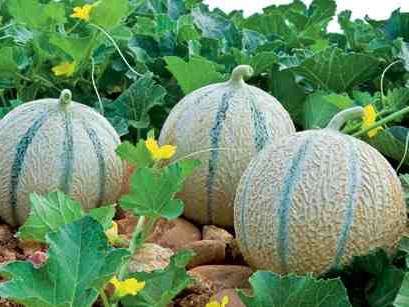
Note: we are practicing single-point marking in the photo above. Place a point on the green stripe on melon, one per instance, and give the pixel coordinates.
(228, 123)
(54, 144)
(312, 201)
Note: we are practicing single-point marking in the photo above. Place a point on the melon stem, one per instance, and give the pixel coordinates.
(241, 72)
(65, 97)
(339, 120)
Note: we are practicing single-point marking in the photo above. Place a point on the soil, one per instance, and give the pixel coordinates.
(215, 248)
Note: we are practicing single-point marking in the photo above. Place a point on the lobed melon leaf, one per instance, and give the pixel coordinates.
(294, 291)
(50, 212)
(80, 261)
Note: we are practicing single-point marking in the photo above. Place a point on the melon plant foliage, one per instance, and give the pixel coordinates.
(179, 46)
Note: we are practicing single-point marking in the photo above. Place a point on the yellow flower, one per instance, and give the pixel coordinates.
(112, 233)
(159, 152)
(64, 69)
(130, 286)
(225, 301)
(82, 12)
(369, 118)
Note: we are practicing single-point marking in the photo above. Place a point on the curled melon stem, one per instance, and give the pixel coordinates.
(342, 117)
(240, 72)
(65, 97)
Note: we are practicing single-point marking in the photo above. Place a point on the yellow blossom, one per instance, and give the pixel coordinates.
(112, 233)
(64, 69)
(130, 286)
(82, 12)
(369, 118)
(159, 152)
(224, 302)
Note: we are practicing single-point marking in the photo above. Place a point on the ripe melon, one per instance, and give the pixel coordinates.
(224, 125)
(52, 144)
(315, 199)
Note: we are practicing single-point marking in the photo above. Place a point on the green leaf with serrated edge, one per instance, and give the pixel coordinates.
(138, 99)
(196, 73)
(80, 261)
(138, 156)
(402, 298)
(336, 70)
(27, 12)
(109, 14)
(48, 213)
(152, 191)
(294, 291)
(161, 286)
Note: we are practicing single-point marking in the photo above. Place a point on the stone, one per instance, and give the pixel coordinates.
(206, 252)
(150, 257)
(194, 300)
(213, 278)
(31, 247)
(234, 299)
(174, 234)
(126, 224)
(211, 232)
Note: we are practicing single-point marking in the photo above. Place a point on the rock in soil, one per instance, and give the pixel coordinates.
(234, 299)
(206, 252)
(174, 234)
(211, 232)
(149, 258)
(213, 278)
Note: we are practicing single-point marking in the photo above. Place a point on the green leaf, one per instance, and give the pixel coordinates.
(27, 12)
(321, 107)
(373, 278)
(80, 261)
(8, 64)
(335, 70)
(104, 215)
(161, 286)
(51, 212)
(263, 61)
(291, 95)
(273, 23)
(402, 298)
(404, 179)
(138, 156)
(48, 214)
(294, 291)
(138, 99)
(397, 98)
(196, 73)
(75, 47)
(391, 142)
(152, 191)
(386, 288)
(109, 14)
(214, 25)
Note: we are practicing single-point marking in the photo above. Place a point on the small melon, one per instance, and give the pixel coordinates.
(223, 125)
(315, 199)
(52, 144)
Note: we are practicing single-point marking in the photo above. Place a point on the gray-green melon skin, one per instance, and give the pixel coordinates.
(37, 151)
(237, 120)
(314, 200)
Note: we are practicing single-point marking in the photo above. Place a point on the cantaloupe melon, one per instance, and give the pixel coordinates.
(315, 199)
(54, 144)
(235, 121)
